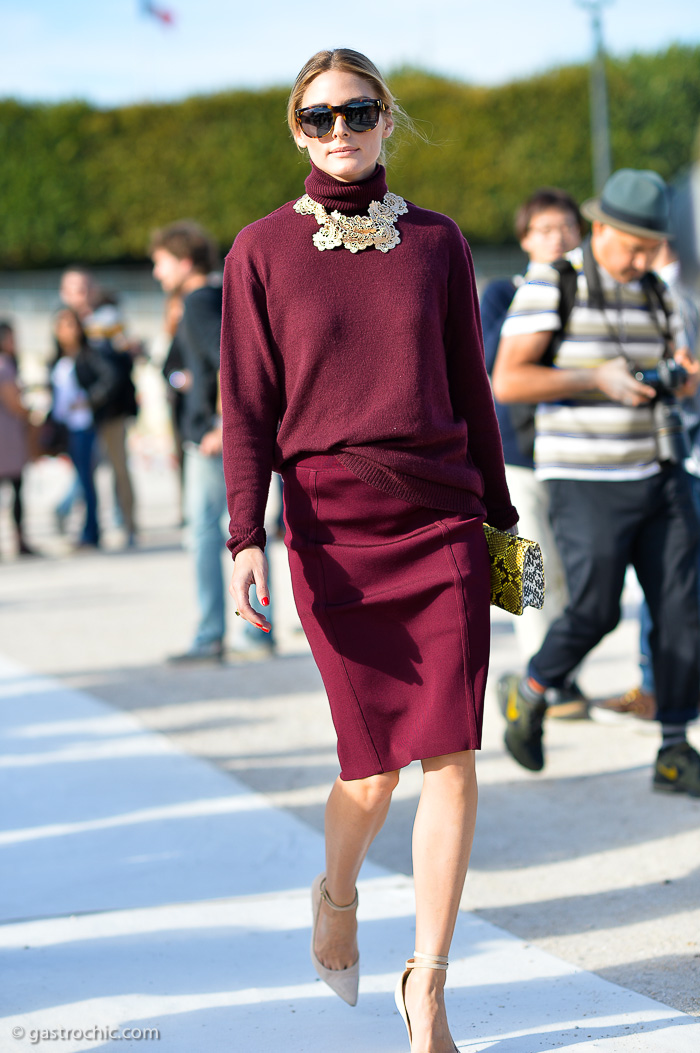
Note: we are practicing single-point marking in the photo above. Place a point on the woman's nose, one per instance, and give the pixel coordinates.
(340, 127)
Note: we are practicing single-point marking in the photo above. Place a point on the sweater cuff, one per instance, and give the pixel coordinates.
(256, 537)
(503, 519)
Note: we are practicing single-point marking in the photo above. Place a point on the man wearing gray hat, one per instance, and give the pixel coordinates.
(610, 448)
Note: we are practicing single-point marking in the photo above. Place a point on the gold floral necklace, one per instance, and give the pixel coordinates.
(356, 232)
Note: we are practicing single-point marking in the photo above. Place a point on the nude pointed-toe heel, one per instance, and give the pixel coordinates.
(418, 961)
(345, 982)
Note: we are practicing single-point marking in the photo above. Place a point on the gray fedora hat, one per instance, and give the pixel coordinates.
(636, 202)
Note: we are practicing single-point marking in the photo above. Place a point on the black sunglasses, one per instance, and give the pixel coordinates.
(360, 116)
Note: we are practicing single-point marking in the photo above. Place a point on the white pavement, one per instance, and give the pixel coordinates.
(145, 888)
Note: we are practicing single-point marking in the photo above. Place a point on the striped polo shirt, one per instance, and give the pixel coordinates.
(590, 437)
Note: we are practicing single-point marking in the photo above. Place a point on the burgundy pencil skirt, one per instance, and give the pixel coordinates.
(394, 600)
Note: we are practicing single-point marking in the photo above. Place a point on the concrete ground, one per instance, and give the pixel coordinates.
(155, 809)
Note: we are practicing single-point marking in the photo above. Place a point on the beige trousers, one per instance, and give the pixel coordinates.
(112, 435)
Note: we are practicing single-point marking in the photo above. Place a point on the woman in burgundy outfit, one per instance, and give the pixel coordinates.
(352, 363)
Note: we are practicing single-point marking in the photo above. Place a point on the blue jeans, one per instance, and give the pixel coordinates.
(645, 663)
(81, 447)
(205, 501)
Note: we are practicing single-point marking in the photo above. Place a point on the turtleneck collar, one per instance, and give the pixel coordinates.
(348, 198)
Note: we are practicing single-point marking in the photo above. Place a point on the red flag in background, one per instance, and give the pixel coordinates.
(162, 14)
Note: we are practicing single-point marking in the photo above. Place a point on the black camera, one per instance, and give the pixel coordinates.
(665, 378)
(669, 432)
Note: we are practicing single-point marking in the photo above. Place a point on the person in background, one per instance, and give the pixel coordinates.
(101, 320)
(619, 494)
(71, 406)
(640, 702)
(184, 255)
(13, 431)
(547, 225)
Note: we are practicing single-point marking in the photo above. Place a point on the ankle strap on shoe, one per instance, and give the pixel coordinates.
(336, 906)
(428, 961)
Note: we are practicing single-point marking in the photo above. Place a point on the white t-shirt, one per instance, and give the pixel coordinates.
(71, 405)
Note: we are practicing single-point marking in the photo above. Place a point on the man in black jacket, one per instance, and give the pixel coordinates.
(184, 256)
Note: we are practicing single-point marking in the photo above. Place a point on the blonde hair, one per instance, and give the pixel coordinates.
(348, 61)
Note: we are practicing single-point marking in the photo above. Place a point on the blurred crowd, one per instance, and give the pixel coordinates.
(92, 398)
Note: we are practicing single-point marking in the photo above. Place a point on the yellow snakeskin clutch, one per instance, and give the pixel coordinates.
(517, 572)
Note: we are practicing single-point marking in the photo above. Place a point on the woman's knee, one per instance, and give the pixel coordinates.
(456, 769)
(375, 791)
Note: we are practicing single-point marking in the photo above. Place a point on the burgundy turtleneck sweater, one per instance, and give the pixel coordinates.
(374, 357)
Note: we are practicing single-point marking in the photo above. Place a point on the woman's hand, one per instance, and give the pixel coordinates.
(250, 568)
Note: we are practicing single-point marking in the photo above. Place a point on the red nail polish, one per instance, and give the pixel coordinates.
(265, 602)
(264, 628)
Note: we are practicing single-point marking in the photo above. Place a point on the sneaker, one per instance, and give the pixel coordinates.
(566, 703)
(618, 710)
(677, 770)
(203, 652)
(563, 703)
(523, 737)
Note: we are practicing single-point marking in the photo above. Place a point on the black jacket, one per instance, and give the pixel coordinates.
(105, 374)
(199, 339)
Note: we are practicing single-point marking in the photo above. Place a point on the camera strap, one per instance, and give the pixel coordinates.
(652, 287)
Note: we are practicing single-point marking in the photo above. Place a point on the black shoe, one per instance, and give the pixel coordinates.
(204, 652)
(23, 549)
(677, 770)
(564, 703)
(523, 737)
(567, 702)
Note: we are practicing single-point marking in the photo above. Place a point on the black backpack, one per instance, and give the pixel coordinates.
(522, 414)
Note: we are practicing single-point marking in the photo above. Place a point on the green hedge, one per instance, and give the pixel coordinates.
(78, 183)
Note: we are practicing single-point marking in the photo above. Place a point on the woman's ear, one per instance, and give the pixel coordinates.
(299, 139)
(388, 125)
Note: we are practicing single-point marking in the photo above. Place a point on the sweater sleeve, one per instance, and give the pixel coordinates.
(250, 403)
(470, 390)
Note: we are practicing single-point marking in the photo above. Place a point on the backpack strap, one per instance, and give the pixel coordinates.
(568, 284)
(522, 414)
(596, 297)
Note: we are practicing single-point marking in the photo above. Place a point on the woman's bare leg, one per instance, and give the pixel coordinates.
(442, 839)
(355, 814)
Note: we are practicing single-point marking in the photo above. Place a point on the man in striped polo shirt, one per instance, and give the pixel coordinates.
(615, 496)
